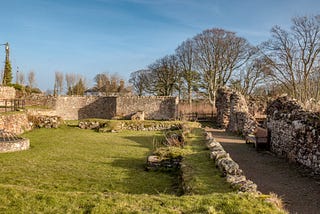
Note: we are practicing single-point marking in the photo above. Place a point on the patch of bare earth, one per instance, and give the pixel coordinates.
(299, 192)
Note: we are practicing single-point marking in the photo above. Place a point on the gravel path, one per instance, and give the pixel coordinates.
(300, 193)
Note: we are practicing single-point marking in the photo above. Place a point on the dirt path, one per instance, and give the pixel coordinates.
(300, 194)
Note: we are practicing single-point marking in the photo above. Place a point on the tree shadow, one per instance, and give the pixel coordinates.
(136, 180)
(139, 181)
(102, 107)
(146, 141)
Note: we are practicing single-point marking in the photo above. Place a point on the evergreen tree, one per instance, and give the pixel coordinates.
(7, 74)
(77, 89)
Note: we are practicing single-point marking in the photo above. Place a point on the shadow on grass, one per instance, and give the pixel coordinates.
(202, 175)
(139, 181)
(146, 141)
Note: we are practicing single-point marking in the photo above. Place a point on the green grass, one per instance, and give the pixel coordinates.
(69, 170)
(70, 159)
(201, 175)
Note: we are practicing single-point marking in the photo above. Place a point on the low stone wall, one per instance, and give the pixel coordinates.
(41, 112)
(294, 133)
(7, 92)
(118, 125)
(13, 146)
(19, 122)
(16, 123)
(229, 167)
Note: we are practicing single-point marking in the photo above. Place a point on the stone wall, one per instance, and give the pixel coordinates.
(229, 167)
(40, 100)
(156, 108)
(233, 112)
(13, 146)
(80, 107)
(98, 107)
(16, 123)
(240, 120)
(294, 133)
(7, 92)
(223, 106)
(257, 106)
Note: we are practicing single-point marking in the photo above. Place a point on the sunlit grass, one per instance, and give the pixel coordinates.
(69, 170)
(200, 173)
(70, 159)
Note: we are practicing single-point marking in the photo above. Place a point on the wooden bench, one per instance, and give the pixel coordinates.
(259, 138)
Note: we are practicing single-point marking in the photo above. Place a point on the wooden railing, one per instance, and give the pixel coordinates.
(7, 105)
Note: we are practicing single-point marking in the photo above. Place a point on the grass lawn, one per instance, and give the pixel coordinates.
(69, 170)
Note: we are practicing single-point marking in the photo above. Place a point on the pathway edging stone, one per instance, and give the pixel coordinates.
(230, 169)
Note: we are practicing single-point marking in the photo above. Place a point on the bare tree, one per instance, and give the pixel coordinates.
(294, 55)
(102, 80)
(71, 80)
(251, 76)
(58, 83)
(139, 81)
(21, 78)
(218, 53)
(114, 83)
(185, 54)
(163, 76)
(31, 79)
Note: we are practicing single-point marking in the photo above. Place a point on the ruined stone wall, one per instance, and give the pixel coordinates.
(294, 133)
(240, 120)
(7, 92)
(40, 100)
(257, 106)
(80, 107)
(16, 123)
(233, 112)
(223, 106)
(155, 108)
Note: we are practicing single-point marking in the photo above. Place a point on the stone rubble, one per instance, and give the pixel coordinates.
(154, 163)
(89, 125)
(42, 121)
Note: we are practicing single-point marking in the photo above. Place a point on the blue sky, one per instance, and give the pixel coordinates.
(120, 36)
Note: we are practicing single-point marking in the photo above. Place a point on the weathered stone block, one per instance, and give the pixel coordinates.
(138, 116)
